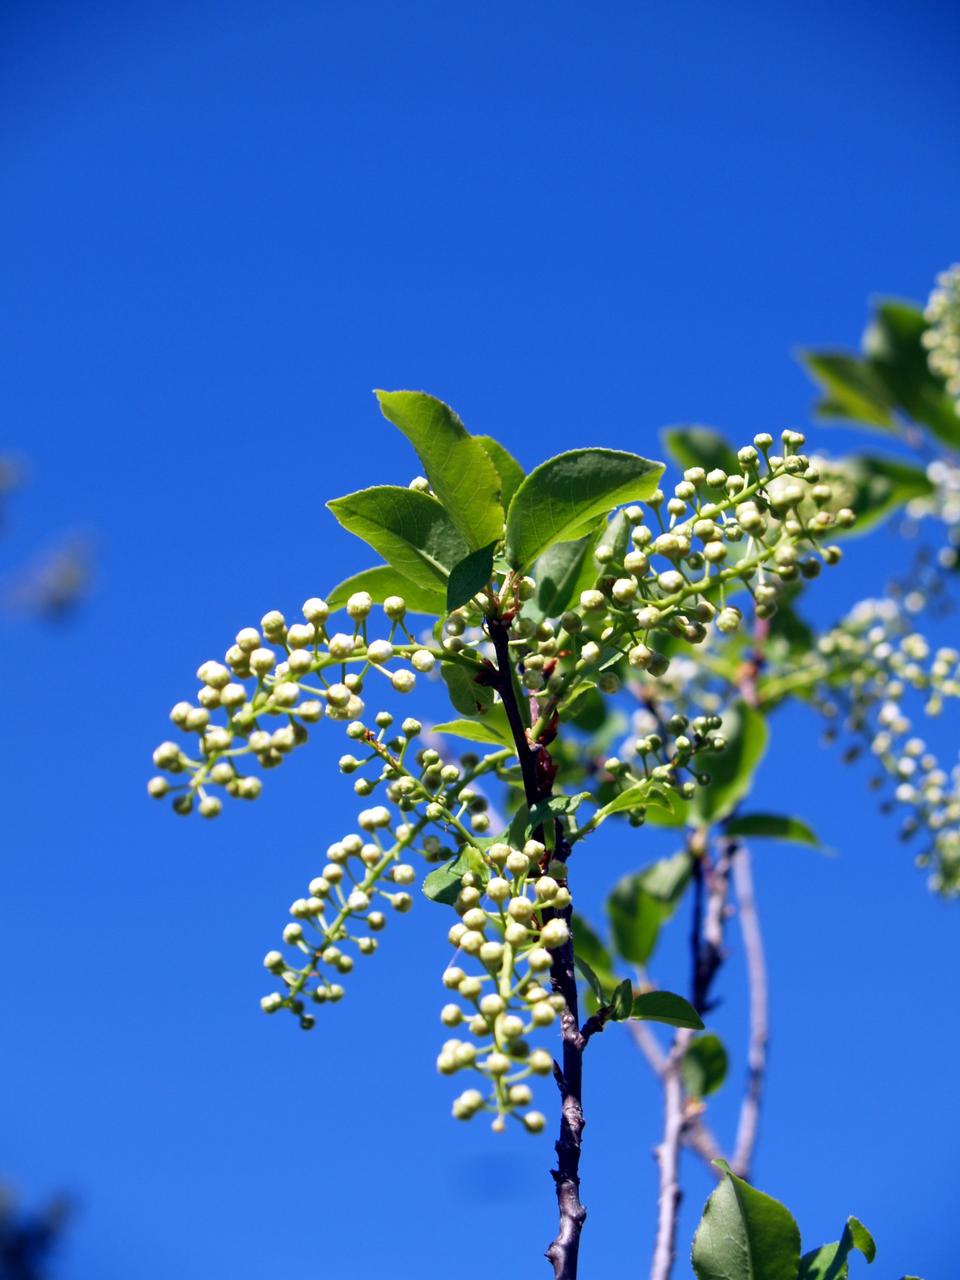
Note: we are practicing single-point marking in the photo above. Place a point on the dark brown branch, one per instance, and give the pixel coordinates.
(537, 773)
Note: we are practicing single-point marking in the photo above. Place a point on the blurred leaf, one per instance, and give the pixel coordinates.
(410, 530)
(731, 770)
(745, 1235)
(468, 697)
(588, 945)
(443, 883)
(641, 903)
(459, 468)
(832, 1261)
(873, 487)
(561, 499)
(665, 1007)
(469, 576)
(382, 581)
(704, 1065)
(773, 825)
(894, 346)
(853, 388)
(700, 447)
(592, 980)
(508, 468)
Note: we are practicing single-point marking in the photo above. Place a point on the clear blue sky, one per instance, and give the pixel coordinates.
(222, 226)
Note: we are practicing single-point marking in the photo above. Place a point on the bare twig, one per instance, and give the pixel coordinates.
(668, 1160)
(749, 1121)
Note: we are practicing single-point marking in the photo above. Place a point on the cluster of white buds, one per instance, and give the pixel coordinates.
(671, 750)
(868, 666)
(508, 929)
(942, 337)
(274, 682)
(368, 875)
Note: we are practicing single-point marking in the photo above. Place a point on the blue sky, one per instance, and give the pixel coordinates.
(223, 225)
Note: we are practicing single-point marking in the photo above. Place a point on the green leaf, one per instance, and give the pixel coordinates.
(704, 1065)
(459, 468)
(894, 347)
(774, 826)
(641, 793)
(731, 770)
(588, 945)
(592, 980)
(467, 697)
(508, 468)
(382, 581)
(493, 728)
(469, 576)
(562, 572)
(745, 1235)
(700, 447)
(832, 1261)
(873, 487)
(443, 883)
(664, 1006)
(621, 1001)
(854, 390)
(641, 903)
(409, 529)
(562, 498)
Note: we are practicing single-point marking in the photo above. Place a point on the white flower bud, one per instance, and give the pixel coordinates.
(451, 1015)
(539, 958)
(359, 604)
(261, 661)
(272, 1002)
(158, 788)
(213, 674)
(592, 600)
(423, 660)
(292, 932)
(273, 624)
(403, 681)
(540, 1062)
(380, 651)
(167, 754)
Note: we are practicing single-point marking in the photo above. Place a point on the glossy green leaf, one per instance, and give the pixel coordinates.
(832, 1261)
(700, 447)
(641, 794)
(704, 1065)
(773, 826)
(508, 468)
(593, 981)
(467, 697)
(382, 581)
(469, 576)
(443, 883)
(562, 498)
(409, 529)
(853, 389)
(641, 903)
(459, 468)
(731, 770)
(745, 1235)
(493, 728)
(664, 1006)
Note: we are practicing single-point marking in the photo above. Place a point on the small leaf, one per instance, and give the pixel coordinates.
(459, 468)
(493, 728)
(700, 447)
(592, 980)
(664, 1006)
(562, 572)
(641, 903)
(621, 1001)
(469, 576)
(640, 794)
(832, 1261)
(409, 529)
(468, 697)
(563, 497)
(731, 770)
(443, 883)
(772, 825)
(382, 581)
(508, 468)
(704, 1065)
(745, 1235)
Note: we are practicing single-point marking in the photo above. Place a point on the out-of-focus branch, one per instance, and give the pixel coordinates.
(668, 1160)
(749, 1122)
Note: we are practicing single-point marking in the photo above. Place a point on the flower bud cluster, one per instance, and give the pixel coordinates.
(274, 683)
(942, 337)
(507, 932)
(869, 666)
